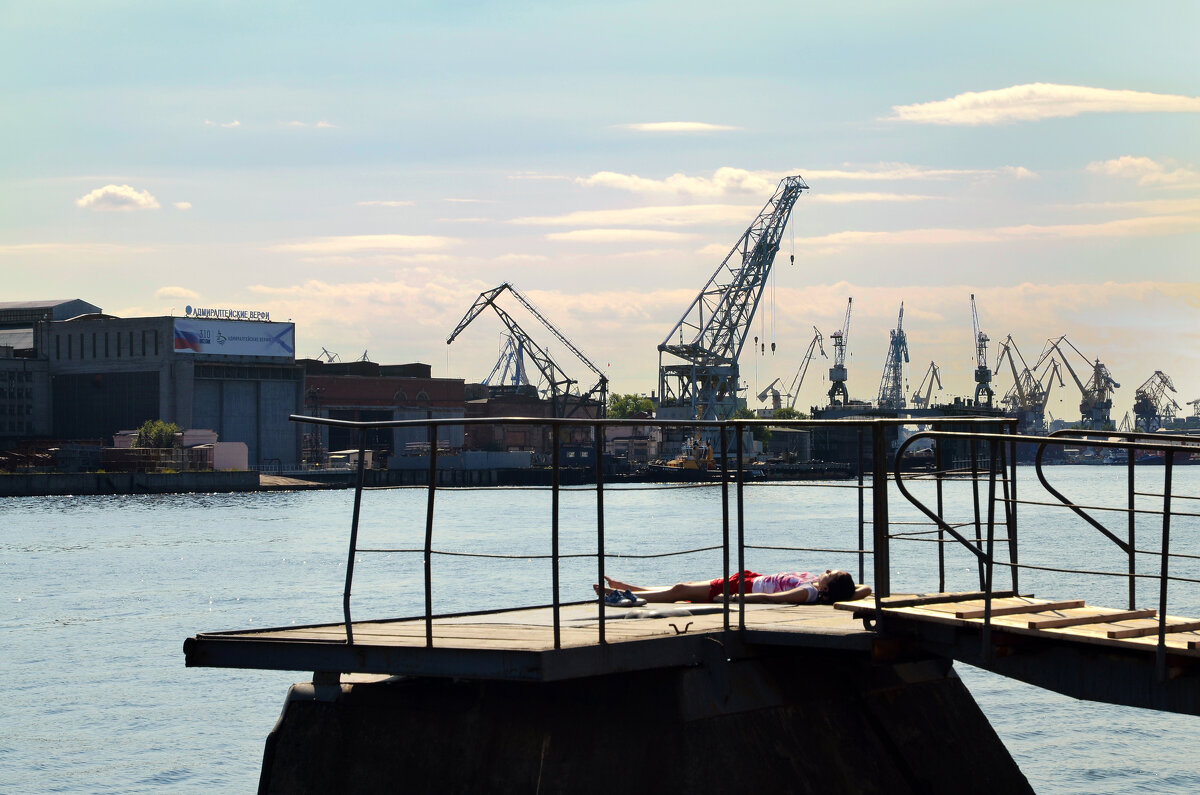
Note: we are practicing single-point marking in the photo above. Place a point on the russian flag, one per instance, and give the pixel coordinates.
(186, 340)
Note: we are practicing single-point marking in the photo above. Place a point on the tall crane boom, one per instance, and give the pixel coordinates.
(558, 383)
(1152, 406)
(1096, 395)
(798, 379)
(983, 375)
(838, 395)
(708, 339)
(891, 385)
(1028, 395)
(932, 375)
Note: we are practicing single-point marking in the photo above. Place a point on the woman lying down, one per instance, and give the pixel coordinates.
(790, 587)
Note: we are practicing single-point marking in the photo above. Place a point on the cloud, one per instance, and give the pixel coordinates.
(677, 127)
(1035, 101)
(117, 198)
(384, 203)
(74, 249)
(321, 125)
(729, 180)
(357, 244)
(849, 198)
(724, 180)
(228, 124)
(182, 205)
(176, 292)
(1145, 171)
(681, 215)
(1155, 226)
(903, 171)
(618, 236)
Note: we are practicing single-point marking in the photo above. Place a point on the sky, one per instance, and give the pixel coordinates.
(367, 171)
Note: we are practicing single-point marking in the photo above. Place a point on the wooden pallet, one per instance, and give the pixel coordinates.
(1065, 619)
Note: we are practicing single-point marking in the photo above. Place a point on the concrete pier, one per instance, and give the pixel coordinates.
(795, 720)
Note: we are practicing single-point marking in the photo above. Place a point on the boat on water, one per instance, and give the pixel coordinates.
(695, 455)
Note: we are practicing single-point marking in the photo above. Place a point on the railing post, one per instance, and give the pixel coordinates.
(725, 523)
(862, 518)
(554, 456)
(358, 489)
(939, 462)
(879, 517)
(974, 448)
(1010, 509)
(1132, 503)
(741, 528)
(599, 432)
(432, 436)
(1161, 651)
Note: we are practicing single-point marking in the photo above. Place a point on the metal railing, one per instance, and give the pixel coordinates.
(871, 440)
(999, 476)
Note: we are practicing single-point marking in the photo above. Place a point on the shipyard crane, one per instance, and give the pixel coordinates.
(983, 375)
(1028, 395)
(510, 365)
(776, 398)
(1152, 406)
(891, 385)
(838, 395)
(558, 385)
(798, 379)
(1195, 404)
(932, 375)
(1096, 395)
(700, 378)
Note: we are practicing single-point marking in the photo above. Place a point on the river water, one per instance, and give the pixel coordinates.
(102, 591)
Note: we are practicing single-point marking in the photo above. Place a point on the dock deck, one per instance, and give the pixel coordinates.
(520, 644)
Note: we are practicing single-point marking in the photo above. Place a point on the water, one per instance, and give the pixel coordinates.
(102, 591)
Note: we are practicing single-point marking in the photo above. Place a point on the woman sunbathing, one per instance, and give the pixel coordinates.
(791, 587)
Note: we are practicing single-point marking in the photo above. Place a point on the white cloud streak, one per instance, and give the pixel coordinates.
(182, 205)
(729, 180)
(1036, 101)
(171, 291)
(1155, 226)
(1146, 172)
(618, 236)
(117, 198)
(359, 244)
(228, 124)
(677, 127)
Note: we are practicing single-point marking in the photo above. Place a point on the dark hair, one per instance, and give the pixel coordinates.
(838, 588)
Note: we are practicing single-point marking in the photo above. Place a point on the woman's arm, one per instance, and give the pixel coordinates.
(803, 595)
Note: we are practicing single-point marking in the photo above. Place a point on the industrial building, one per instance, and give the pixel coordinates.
(73, 373)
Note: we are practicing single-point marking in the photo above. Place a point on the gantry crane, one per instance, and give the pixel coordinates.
(556, 385)
(1096, 395)
(891, 385)
(798, 379)
(1152, 406)
(708, 339)
(932, 375)
(837, 374)
(983, 375)
(1028, 395)
(510, 365)
(1195, 404)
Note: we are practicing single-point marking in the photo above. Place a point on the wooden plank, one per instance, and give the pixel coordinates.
(1141, 632)
(916, 600)
(1102, 616)
(1009, 610)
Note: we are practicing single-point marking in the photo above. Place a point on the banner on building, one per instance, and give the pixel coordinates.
(235, 338)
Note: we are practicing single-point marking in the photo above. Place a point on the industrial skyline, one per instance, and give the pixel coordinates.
(367, 173)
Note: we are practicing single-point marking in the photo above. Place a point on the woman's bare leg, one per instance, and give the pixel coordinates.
(696, 591)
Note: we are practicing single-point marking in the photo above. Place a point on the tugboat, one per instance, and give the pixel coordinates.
(693, 462)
